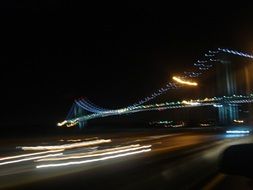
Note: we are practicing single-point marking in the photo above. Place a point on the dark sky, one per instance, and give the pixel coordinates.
(114, 54)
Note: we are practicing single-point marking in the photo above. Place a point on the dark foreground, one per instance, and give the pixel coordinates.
(129, 160)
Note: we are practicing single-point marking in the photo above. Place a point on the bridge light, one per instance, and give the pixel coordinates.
(217, 105)
(238, 121)
(181, 81)
(190, 103)
(61, 123)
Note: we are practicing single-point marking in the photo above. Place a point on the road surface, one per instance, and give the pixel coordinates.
(129, 160)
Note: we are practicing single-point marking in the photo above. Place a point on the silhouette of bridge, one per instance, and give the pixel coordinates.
(226, 102)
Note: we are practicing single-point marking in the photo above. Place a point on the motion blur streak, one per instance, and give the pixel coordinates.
(71, 140)
(78, 140)
(235, 135)
(87, 155)
(94, 160)
(66, 146)
(30, 158)
(238, 131)
(190, 103)
(177, 79)
(32, 154)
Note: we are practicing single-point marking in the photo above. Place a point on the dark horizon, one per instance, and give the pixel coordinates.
(114, 54)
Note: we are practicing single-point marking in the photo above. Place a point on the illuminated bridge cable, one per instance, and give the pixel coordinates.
(210, 56)
(84, 103)
(203, 65)
(85, 107)
(70, 113)
(92, 106)
(235, 52)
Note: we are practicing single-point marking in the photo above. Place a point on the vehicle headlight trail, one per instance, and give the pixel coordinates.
(31, 154)
(96, 153)
(66, 146)
(30, 158)
(94, 160)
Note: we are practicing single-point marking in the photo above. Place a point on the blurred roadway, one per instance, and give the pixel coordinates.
(131, 160)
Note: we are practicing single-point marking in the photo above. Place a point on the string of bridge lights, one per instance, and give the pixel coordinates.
(202, 65)
(214, 101)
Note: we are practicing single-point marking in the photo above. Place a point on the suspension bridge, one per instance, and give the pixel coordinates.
(83, 110)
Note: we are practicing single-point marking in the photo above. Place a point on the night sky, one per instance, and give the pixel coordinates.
(53, 52)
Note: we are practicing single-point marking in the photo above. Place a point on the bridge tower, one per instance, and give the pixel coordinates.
(233, 77)
(227, 86)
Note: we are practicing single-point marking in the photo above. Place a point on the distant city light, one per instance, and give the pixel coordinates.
(181, 81)
(205, 124)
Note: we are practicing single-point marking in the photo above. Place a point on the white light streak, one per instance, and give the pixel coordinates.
(67, 146)
(29, 158)
(217, 105)
(190, 103)
(93, 160)
(71, 140)
(92, 154)
(238, 131)
(31, 154)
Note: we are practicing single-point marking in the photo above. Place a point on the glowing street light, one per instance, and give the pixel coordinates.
(181, 81)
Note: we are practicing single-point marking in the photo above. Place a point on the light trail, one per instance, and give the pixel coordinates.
(217, 105)
(190, 103)
(66, 146)
(31, 154)
(30, 158)
(78, 140)
(71, 140)
(238, 131)
(181, 81)
(238, 121)
(94, 160)
(62, 123)
(95, 154)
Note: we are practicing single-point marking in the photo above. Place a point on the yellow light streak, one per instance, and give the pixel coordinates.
(98, 153)
(238, 121)
(181, 81)
(67, 123)
(67, 146)
(94, 160)
(61, 123)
